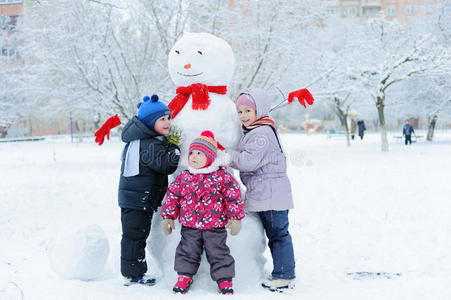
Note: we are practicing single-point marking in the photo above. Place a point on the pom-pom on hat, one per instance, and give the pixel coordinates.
(206, 144)
(150, 110)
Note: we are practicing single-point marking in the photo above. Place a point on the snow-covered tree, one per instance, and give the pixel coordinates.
(98, 58)
(389, 54)
(12, 106)
(424, 95)
(333, 67)
(266, 36)
(91, 57)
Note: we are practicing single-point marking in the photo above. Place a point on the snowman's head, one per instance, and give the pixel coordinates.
(201, 58)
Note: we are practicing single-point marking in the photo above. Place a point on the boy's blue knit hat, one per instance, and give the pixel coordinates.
(151, 110)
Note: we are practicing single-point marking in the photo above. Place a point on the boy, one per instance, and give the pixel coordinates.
(147, 160)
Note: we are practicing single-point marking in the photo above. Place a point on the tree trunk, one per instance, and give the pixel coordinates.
(343, 118)
(380, 110)
(348, 141)
(431, 128)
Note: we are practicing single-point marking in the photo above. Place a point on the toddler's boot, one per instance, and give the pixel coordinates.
(183, 284)
(225, 287)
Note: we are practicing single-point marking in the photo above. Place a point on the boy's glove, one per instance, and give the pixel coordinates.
(168, 225)
(175, 136)
(235, 226)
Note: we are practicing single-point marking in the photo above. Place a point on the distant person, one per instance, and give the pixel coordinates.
(407, 132)
(353, 128)
(362, 128)
(2, 132)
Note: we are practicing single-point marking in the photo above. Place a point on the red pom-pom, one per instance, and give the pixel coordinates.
(208, 133)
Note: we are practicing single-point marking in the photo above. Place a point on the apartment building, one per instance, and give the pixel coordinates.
(401, 10)
(9, 13)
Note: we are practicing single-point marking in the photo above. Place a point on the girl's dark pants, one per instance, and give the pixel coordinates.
(276, 227)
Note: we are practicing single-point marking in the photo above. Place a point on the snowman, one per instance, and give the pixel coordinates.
(201, 65)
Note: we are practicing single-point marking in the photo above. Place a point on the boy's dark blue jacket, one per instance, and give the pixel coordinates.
(157, 159)
(407, 130)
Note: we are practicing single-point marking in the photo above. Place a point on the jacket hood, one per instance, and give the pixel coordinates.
(136, 130)
(261, 99)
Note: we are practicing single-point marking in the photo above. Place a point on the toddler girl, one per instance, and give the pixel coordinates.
(206, 199)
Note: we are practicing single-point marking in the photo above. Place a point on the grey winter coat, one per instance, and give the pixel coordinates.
(262, 163)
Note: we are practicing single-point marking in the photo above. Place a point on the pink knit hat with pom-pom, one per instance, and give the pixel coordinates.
(206, 144)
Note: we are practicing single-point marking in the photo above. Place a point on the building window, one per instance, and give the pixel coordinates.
(410, 10)
(8, 23)
(9, 54)
(371, 11)
(350, 12)
(332, 11)
(10, 1)
(390, 11)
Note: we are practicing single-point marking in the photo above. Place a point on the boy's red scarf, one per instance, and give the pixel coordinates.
(200, 91)
(265, 120)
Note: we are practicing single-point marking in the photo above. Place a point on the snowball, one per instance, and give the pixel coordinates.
(82, 255)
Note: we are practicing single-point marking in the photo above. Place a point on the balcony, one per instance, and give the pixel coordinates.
(371, 3)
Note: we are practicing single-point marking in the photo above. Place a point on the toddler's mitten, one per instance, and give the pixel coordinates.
(235, 226)
(168, 225)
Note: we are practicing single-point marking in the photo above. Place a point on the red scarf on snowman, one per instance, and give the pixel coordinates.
(201, 100)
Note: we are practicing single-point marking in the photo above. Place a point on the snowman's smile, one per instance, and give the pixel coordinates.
(188, 75)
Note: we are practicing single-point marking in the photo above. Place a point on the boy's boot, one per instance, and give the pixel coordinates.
(278, 284)
(183, 284)
(225, 287)
(145, 280)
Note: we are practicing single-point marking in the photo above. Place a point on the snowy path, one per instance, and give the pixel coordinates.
(357, 210)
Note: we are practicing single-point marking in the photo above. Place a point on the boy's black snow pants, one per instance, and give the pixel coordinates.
(135, 230)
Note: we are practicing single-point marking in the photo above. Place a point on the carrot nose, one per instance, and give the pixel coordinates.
(187, 66)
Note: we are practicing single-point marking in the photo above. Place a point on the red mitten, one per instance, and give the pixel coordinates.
(109, 124)
(302, 95)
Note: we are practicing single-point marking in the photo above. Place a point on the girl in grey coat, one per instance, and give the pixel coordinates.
(263, 170)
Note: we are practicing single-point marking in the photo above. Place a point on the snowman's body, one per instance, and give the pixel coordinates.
(220, 118)
(206, 59)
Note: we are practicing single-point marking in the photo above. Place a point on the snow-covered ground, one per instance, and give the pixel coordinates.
(357, 210)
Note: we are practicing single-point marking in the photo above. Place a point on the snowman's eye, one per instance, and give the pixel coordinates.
(199, 52)
(177, 51)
